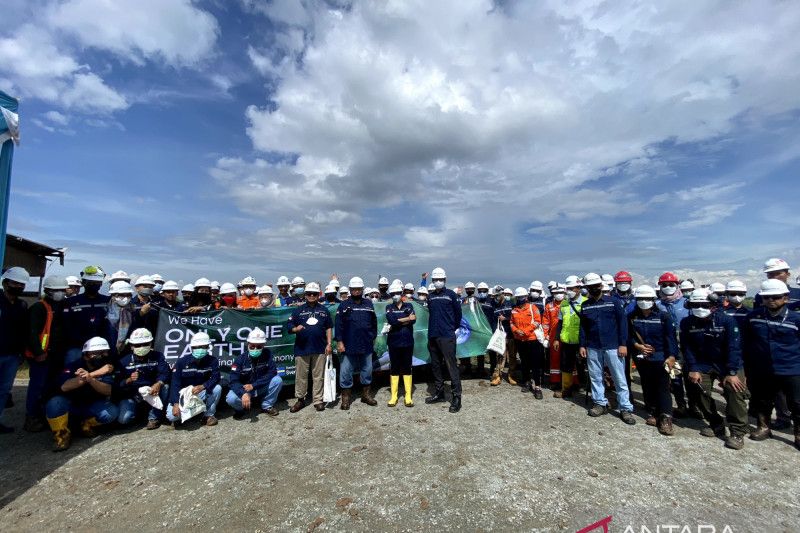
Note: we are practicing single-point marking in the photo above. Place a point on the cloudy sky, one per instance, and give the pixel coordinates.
(506, 141)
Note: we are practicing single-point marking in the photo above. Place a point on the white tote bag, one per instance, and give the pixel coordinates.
(538, 329)
(190, 404)
(329, 389)
(497, 343)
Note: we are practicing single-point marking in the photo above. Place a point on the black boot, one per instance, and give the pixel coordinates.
(455, 404)
(436, 397)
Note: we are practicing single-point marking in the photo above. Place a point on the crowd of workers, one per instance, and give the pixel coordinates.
(92, 362)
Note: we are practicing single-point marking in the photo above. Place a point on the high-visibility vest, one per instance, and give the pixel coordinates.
(570, 320)
(44, 336)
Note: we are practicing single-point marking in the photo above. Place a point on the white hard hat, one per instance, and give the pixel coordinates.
(592, 279)
(699, 296)
(56, 283)
(736, 286)
(491, 291)
(558, 288)
(93, 273)
(188, 288)
(520, 291)
(536, 286)
(330, 289)
(120, 287)
(383, 281)
(369, 290)
(395, 288)
(200, 338)
(717, 287)
(509, 292)
(73, 281)
(469, 285)
(644, 291)
(202, 282)
(119, 275)
(214, 285)
(156, 278)
(551, 284)
(344, 290)
(249, 280)
(408, 287)
(257, 336)
(264, 289)
(141, 336)
(775, 265)
(169, 286)
(483, 286)
(572, 281)
(227, 288)
(335, 283)
(297, 280)
(607, 278)
(687, 285)
(312, 287)
(356, 283)
(438, 273)
(95, 344)
(773, 287)
(144, 280)
(422, 290)
(283, 280)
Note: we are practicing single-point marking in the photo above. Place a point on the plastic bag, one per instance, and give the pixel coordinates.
(676, 371)
(386, 329)
(190, 404)
(152, 399)
(329, 381)
(497, 343)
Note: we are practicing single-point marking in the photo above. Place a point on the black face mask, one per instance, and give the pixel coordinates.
(91, 288)
(595, 291)
(14, 291)
(330, 297)
(470, 292)
(203, 298)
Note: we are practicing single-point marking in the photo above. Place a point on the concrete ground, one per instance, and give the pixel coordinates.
(506, 462)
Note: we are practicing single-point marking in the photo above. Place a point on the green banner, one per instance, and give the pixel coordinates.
(229, 329)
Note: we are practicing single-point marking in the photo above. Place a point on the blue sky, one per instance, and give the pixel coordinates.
(506, 142)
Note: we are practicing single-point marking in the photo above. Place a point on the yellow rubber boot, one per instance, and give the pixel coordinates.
(394, 381)
(87, 427)
(408, 386)
(61, 434)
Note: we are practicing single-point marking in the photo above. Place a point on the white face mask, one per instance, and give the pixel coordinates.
(701, 312)
(623, 287)
(439, 284)
(535, 294)
(265, 301)
(644, 304)
(248, 292)
(573, 294)
(669, 291)
(737, 299)
(558, 297)
(396, 297)
(122, 301)
(141, 351)
(57, 296)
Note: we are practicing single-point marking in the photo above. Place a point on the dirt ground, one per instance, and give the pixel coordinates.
(506, 462)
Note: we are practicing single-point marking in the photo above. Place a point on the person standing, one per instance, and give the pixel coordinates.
(444, 308)
(400, 341)
(13, 331)
(525, 319)
(568, 338)
(603, 342)
(355, 333)
(86, 313)
(313, 328)
(550, 323)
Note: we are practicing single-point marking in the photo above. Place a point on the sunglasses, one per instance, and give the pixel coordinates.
(773, 297)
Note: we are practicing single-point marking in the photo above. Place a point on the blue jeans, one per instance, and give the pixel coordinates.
(38, 373)
(130, 407)
(616, 365)
(8, 371)
(103, 410)
(269, 393)
(358, 362)
(211, 400)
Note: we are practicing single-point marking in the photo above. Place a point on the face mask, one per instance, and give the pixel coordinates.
(669, 290)
(57, 296)
(713, 296)
(687, 294)
(482, 295)
(91, 288)
(595, 291)
(248, 292)
(644, 304)
(573, 294)
(737, 299)
(199, 353)
(141, 351)
(521, 300)
(203, 298)
(255, 353)
(584, 291)
(299, 291)
(229, 299)
(158, 286)
(122, 301)
(535, 294)
(624, 287)
(265, 301)
(701, 312)
(396, 298)
(422, 297)
(498, 297)
(439, 284)
(470, 292)
(558, 297)
(146, 291)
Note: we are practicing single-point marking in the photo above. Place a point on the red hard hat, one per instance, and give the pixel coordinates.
(668, 277)
(622, 276)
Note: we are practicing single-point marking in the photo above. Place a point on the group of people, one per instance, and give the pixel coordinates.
(92, 359)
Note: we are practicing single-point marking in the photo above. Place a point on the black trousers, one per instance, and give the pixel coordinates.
(571, 361)
(443, 351)
(763, 388)
(531, 355)
(655, 387)
(400, 360)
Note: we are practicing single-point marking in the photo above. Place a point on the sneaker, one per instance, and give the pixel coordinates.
(734, 442)
(537, 393)
(627, 417)
(271, 411)
(211, 420)
(153, 424)
(598, 410)
(718, 432)
(665, 426)
(651, 421)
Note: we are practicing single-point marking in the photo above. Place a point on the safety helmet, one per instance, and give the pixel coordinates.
(438, 273)
(55, 283)
(214, 285)
(644, 291)
(249, 280)
(169, 286)
(200, 339)
(773, 287)
(330, 289)
(141, 336)
(227, 288)
(312, 287)
(297, 281)
(558, 288)
(95, 344)
(572, 281)
(356, 283)
(73, 281)
(592, 279)
(119, 275)
(283, 280)
(482, 286)
(257, 336)
(608, 279)
(202, 282)
(264, 289)
(93, 273)
(699, 296)
(622, 277)
(144, 280)
(344, 290)
(395, 288)
(775, 264)
(668, 277)
(717, 288)
(409, 287)
(687, 285)
(383, 281)
(735, 286)
(469, 285)
(508, 292)
(422, 290)
(536, 286)
(120, 287)
(188, 288)
(551, 284)
(520, 291)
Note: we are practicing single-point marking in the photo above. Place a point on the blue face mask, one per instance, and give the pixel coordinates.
(254, 353)
(199, 353)
(482, 295)
(299, 291)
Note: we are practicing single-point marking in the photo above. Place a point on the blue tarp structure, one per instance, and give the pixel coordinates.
(9, 135)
